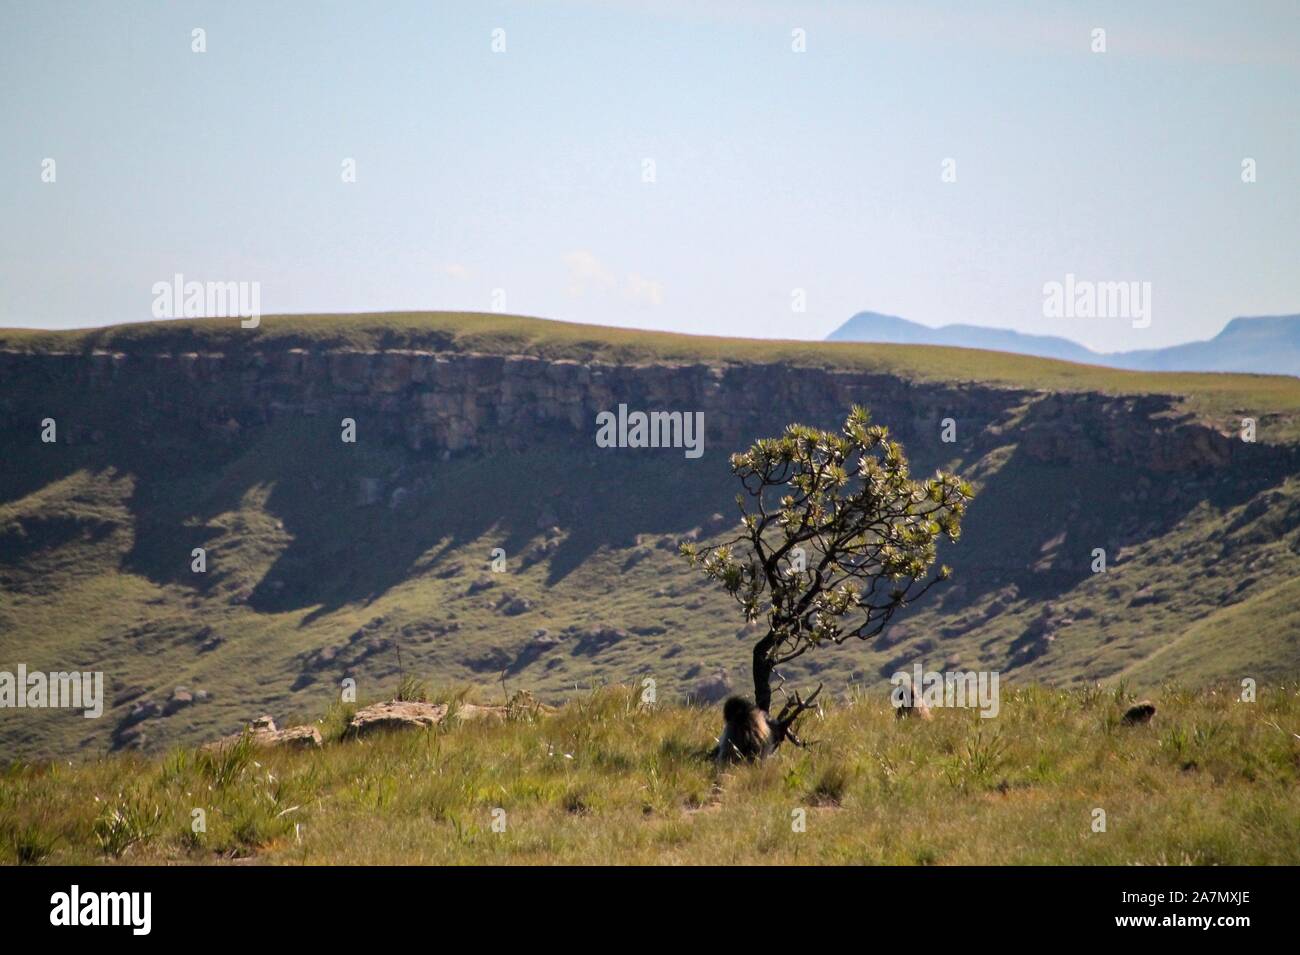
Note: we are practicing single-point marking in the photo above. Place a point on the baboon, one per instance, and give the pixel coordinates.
(911, 704)
(746, 733)
(1140, 712)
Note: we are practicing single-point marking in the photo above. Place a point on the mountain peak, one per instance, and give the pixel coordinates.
(1264, 345)
(1261, 325)
(890, 329)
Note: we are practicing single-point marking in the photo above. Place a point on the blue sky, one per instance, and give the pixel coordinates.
(774, 170)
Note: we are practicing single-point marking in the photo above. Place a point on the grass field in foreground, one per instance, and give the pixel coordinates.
(606, 780)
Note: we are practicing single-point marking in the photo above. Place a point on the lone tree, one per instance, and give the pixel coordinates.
(836, 537)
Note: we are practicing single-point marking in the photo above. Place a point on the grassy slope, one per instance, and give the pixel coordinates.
(1266, 627)
(1211, 781)
(91, 578)
(92, 602)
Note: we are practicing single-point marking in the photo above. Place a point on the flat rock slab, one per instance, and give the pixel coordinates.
(406, 714)
(473, 711)
(262, 733)
(396, 714)
(306, 737)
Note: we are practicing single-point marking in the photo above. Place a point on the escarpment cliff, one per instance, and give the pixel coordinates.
(456, 402)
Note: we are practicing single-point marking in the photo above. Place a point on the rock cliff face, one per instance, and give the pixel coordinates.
(452, 402)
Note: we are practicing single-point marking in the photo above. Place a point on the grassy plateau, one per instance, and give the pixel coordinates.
(1213, 395)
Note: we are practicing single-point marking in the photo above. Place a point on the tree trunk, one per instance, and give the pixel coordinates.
(763, 672)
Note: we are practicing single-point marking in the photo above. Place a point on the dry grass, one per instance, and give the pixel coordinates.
(606, 780)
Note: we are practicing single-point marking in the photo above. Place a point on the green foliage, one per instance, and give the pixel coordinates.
(837, 534)
(832, 783)
(411, 689)
(223, 765)
(334, 724)
(121, 826)
(29, 843)
(978, 760)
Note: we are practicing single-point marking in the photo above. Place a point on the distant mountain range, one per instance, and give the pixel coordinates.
(1268, 345)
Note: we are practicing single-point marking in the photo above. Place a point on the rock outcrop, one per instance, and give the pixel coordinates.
(448, 402)
(396, 714)
(262, 732)
(413, 714)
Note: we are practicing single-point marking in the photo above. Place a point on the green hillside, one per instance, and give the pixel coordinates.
(304, 587)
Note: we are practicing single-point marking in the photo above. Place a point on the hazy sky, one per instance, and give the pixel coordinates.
(774, 170)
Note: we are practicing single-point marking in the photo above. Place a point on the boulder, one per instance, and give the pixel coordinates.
(512, 605)
(475, 711)
(409, 714)
(304, 737)
(180, 698)
(396, 714)
(262, 732)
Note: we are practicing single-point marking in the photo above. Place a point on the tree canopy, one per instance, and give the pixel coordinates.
(835, 537)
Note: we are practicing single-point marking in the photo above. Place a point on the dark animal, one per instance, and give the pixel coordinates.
(911, 704)
(1140, 712)
(746, 733)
